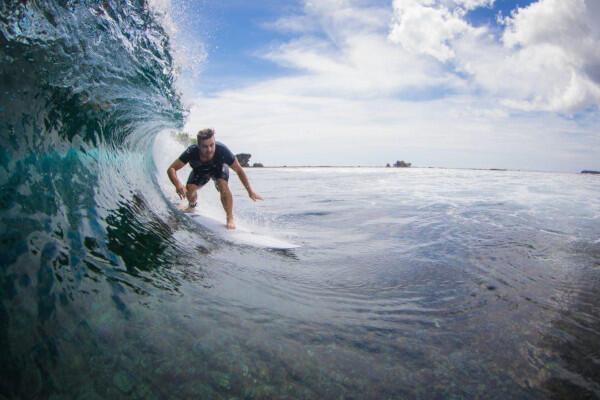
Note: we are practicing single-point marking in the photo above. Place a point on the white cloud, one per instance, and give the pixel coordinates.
(473, 4)
(422, 27)
(296, 23)
(279, 127)
(548, 58)
(352, 56)
(364, 65)
(557, 43)
(417, 81)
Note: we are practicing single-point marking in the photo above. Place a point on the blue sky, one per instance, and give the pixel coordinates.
(488, 15)
(455, 83)
(234, 31)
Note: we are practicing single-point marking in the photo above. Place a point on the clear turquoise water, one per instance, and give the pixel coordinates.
(409, 283)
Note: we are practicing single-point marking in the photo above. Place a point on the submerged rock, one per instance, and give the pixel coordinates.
(202, 391)
(265, 392)
(220, 380)
(33, 381)
(123, 382)
(88, 395)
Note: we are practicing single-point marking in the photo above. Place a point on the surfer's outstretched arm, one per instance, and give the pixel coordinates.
(244, 179)
(172, 173)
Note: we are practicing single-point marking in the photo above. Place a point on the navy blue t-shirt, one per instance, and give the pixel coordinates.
(222, 156)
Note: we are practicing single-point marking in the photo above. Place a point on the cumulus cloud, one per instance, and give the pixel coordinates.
(351, 55)
(558, 44)
(421, 26)
(417, 77)
(547, 59)
(472, 4)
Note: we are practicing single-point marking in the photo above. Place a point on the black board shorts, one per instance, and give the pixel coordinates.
(199, 177)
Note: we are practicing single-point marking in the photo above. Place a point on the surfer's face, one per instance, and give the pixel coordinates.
(207, 148)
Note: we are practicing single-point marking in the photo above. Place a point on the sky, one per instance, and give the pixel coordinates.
(509, 84)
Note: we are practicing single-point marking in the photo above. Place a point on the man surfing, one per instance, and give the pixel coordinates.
(209, 159)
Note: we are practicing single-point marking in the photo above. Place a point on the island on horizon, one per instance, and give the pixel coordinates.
(244, 160)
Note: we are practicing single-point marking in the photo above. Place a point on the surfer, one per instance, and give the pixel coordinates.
(209, 159)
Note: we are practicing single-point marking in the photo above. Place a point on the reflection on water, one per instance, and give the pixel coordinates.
(570, 354)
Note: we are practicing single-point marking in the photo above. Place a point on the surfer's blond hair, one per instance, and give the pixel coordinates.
(204, 134)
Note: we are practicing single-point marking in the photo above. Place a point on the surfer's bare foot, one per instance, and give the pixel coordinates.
(185, 208)
(230, 224)
(189, 208)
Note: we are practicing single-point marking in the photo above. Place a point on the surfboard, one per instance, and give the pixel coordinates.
(241, 235)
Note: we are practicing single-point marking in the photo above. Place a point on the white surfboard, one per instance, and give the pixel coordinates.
(240, 235)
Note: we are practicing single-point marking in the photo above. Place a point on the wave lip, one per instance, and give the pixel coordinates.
(81, 74)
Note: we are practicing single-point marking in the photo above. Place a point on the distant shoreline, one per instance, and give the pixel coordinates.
(186, 140)
(413, 167)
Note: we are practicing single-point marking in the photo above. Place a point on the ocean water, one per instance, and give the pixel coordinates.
(409, 283)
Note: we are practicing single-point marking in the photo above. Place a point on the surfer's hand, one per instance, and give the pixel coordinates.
(181, 191)
(254, 196)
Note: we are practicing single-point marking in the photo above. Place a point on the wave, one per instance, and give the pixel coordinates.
(86, 87)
